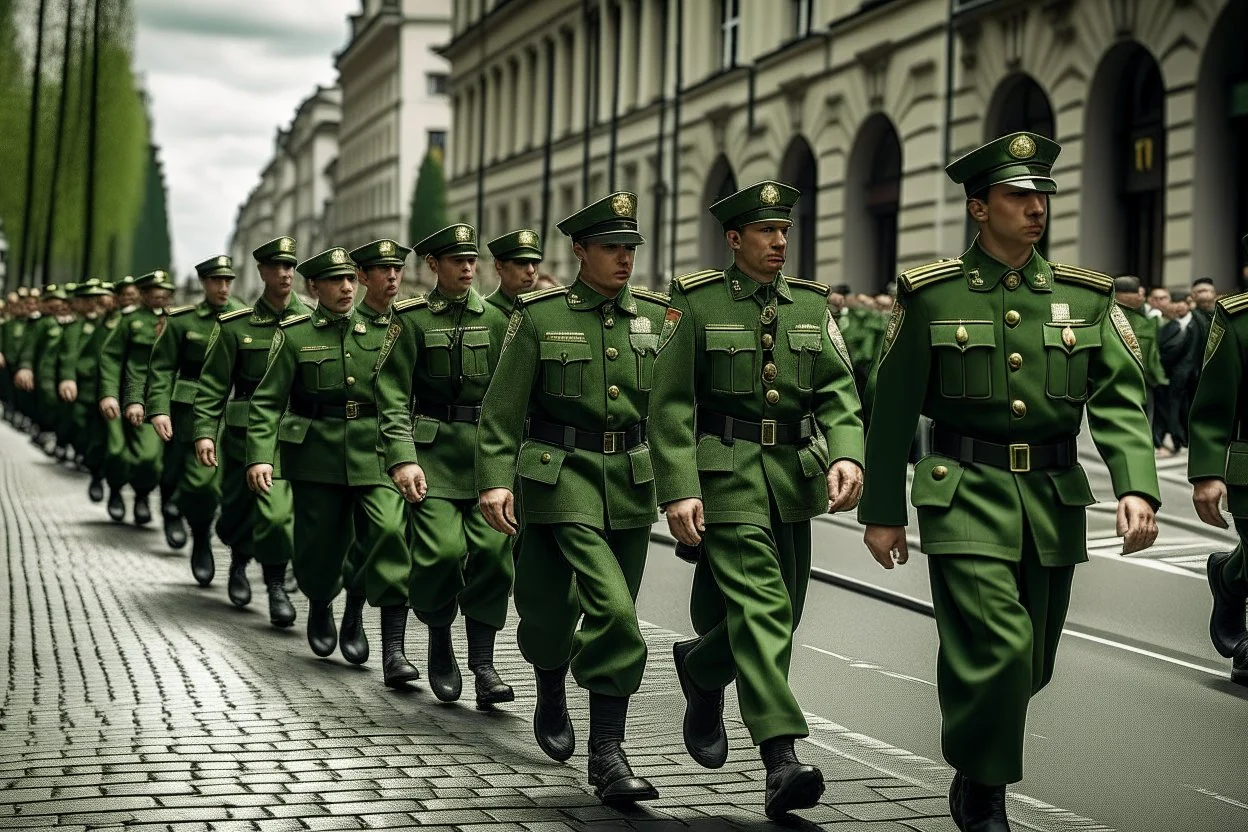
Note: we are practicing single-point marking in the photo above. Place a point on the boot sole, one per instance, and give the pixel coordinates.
(484, 702)
(627, 798)
(401, 680)
(353, 658)
(803, 794)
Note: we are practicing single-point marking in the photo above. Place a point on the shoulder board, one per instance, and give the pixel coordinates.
(1234, 304)
(541, 294)
(237, 313)
(702, 278)
(181, 310)
(651, 295)
(1102, 283)
(917, 278)
(294, 319)
(813, 285)
(411, 303)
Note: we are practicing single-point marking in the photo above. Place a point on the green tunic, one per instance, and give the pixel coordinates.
(123, 374)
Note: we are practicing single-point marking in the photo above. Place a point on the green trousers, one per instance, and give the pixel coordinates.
(748, 592)
(999, 623)
(195, 489)
(329, 519)
(144, 452)
(1235, 571)
(353, 569)
(567, 572)
(259, 526)
(457, 559)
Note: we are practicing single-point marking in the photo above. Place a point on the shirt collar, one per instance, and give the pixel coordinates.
(368, 313)
(984, 272)
(440, 302)
(742, 286)
(582, 297)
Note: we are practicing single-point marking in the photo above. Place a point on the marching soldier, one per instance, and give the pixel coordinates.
(442, 357)
(577, 366)
(253, 525)
(76, 381)
(1130, 297)
(761, 369)
(1217, 465)
(118, 459)
(44, 330)
(517, 256)
(315, 400)
(1004, 351)
(59, 412)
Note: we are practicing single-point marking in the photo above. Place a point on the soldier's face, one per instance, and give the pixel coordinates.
(156, 298)
(105, 303)
(80, 306)
(516, 276)
(759, 248)
(454, 274)
(605, 267)
(277, 277)
(217, 290)
(337, 294)
(1204, 296)
(381, 284)
(129, 296)
(1159, 299)
(57, 307)
(1012, 216)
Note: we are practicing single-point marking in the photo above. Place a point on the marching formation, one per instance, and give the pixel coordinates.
(441, 453)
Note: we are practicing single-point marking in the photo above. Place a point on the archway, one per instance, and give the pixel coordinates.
(872, 203)
(720, 182)
(1019, 104)
(800, 170)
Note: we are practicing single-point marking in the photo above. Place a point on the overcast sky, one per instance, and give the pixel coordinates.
(223, 76)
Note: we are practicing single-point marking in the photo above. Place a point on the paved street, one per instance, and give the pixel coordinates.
(133, 699)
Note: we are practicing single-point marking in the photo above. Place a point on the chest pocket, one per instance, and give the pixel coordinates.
(252, 358)
(438, 353)
(731, 355)
(645, 346)
(964, 357)
(320, 370)
(1068, 349)
(806, 345)
(143, 338)
(563, 368)
(476, 352)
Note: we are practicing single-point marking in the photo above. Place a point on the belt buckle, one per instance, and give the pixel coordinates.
(353, 410)
(1020, 459)
(611, 442)
(768, 437)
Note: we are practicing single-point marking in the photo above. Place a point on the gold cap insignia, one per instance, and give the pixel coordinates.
(160, 275)
(386, 247)
(223, 260)
(1022, 147)
(769, 195)
(360, 329)
(622, 205)
(463, 234)
(286, 244)
(527, 238)
(338, 256)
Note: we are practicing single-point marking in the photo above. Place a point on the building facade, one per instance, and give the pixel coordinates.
(860, 104)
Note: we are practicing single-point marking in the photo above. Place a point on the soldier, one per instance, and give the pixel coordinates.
(253, 525)
(1129, 295)
(763, 371)
(517, 256)
(579, 363)
(1217, 465)
(442, 357)
(316, 401)
(74, 359)
(118, 460)
(189, 492)
(1003, 350)
(44, 331)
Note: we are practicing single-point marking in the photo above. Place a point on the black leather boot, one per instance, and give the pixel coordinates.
(322, 634)
(955, 798)
(444, 678)
(116, 505)
(1239, 665)
(239, 588)
(705, 737)
(1227, 626)
(983, 808)
(790, 784)
(551, 724)
(395, 667)
(142, 511)
(95, 491)
(609, 772)
(490, 688)
(351, 637)
(202, 565)
(281, 611)
(175, 526)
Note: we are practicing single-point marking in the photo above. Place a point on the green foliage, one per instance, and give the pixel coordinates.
(428, 209)
(152, 248)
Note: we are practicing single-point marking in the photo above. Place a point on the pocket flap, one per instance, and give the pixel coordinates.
(255, 345)
(438, 339)
(184, 391)
(236, 413)
(425, 430)
(642, 466)
(293, 428)
(643, 342)
(811, 341)
(714, 455)
(1082, 336)
(936, 481)
(1237, 463)
(963, 335)
(315, 357)
(541, 462)
(729, 340)
(1072, 486)
(476, 337)
(565, 353)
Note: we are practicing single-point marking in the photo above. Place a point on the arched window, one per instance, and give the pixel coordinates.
(872, 202)
(720, 182)
(800, 169)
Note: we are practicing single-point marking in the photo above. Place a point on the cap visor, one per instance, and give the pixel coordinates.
(614, 238)
(1040, 184)
(457, 250)
(342, 270)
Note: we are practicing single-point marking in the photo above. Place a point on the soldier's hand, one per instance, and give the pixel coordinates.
(409, 478)
(498, 507)
(3, 363)
(260, 477)
(110, 408)
(686, 521)
(68, 391)
(1207, 496)
(1137, 525)
(134, 414)
(164, 427)
(844, 486)
(206, 452)
(24, 380)
(887, 544)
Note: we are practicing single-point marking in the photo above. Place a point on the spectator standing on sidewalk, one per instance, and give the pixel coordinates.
(1179, 341)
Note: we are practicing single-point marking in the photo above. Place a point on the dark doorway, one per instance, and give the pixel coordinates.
(800, 170)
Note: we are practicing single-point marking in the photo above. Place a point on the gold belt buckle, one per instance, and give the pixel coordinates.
(353, 410)
(1020, 459)
(611, 442)
(768, 437)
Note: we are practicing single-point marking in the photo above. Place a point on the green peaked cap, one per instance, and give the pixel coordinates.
(219, 266)
(381, 253)
(524, 244)
(158, 279)
(92, 288)
(611, 220)
(281, 250)
(334, 262)
(1020, 159)
(762, 201)
(455, 240)
(128, 280)
(54, 291)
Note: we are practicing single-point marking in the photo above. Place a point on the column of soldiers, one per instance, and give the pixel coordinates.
(439, 452)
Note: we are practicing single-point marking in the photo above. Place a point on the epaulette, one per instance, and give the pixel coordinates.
(702, 278)
(411, 303)
(181, 310)
(1234, 304)
(237, 313)
(541, 294)
(1102, 283)
(920, 276)
(650, 294)
(813, 285)
(294, 319)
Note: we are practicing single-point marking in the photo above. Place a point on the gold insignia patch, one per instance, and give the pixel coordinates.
(212, 339)
(360, 328)
(279, 338)
(527, 238)
(893, 328)
(769, 195)
(671, 321)
(838, 340)
(386, 247)
(623, 205)
(1061, 312)
(513, 326)
(1125, 331)
(286, 244)
(1022, 147)
(463, 234)
(338, 256)
(392, 335)
(1215, 338)
(640, 324)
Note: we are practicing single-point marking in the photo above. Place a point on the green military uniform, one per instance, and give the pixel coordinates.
(1005, 361)
(110, 433)
(76, 362)
(758, 403)
(56, 414)
(1145, 329)
(439, 363)
(252, 525)
(320, 365)
(14, 334)
(524, 245)
(44, 328)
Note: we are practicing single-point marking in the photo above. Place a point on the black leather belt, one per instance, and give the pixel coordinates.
(611, 442)
(244, 390)
(317, 410)
(470, 413)
(1018, 458)
(767, 432)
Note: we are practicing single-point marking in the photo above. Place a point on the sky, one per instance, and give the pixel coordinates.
(223, 77)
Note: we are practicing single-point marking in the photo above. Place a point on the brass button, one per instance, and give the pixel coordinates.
(940, 472)
(769, 372)
(563, 356)
(769, 314)
(1012, 280)
(247, 339)
(732, 350)
(346, 355)
(350, 380)
(613, 391)
(612, 353)
(1015, 360)
(768, 341)
(962, 336)
(1012, 318)
(610, 419)
(545, 459)
(773, 396)
(1019, 407)
(609, 322)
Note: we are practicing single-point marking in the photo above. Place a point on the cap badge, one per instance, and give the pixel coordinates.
(622, 205)
(527, 238)
(769, 195)
(1022, 147)
(386, 247)
(286, 244)
(338, 256)
(463, 234)
(223, 260)
(360, 329)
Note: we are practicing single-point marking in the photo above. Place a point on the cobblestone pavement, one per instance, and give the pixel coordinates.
(134, 699)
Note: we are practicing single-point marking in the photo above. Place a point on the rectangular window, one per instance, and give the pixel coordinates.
(730, 31)
(802, 14)
(437, 138)
(435, 83)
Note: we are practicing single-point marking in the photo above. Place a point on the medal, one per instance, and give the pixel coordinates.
(1068, 337)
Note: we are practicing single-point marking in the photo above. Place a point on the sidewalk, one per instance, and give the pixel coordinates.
(134, 699)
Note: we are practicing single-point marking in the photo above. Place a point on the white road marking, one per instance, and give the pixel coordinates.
(1220, 797)
(861, 665)
(1140, 651)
